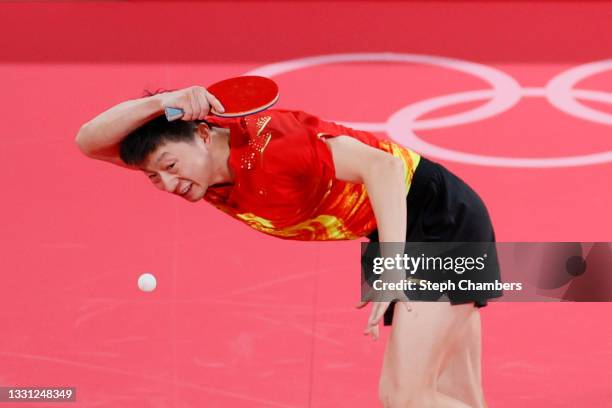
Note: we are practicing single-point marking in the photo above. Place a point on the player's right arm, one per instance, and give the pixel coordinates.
(100, 137)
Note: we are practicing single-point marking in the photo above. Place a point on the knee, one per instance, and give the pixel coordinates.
(406, 390)
(398, 398)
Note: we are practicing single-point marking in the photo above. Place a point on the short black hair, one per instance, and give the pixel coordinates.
(139, 144)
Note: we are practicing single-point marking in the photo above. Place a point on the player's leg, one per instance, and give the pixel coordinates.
(418, 348)
(461, 376)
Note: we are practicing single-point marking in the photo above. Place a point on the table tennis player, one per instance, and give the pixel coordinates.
(294, 176)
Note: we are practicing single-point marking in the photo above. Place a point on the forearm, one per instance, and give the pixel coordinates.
(101, 135)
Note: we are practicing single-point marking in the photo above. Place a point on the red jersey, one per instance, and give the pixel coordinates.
(285, 182)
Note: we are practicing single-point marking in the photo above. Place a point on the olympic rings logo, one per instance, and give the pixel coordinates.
(505, 92)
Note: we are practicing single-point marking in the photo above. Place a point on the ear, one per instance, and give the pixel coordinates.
(203, 131)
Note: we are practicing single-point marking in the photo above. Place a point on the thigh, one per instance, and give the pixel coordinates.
(419, 343)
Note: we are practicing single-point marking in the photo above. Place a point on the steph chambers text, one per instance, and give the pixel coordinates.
(416, 284)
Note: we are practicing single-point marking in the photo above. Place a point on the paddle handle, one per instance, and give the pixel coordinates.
(173, 114)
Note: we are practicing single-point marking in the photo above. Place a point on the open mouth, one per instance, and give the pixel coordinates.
(185, 190)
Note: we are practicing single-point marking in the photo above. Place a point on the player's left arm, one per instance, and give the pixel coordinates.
(384, 179)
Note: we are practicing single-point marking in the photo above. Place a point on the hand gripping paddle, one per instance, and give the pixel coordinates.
(240, 96)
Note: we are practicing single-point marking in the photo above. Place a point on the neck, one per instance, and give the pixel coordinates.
(220, 150)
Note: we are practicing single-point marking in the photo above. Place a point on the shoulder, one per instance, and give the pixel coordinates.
(279, 123)
(283, 117)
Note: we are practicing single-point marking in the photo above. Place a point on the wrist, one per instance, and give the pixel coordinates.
(399, 295)
(157, 102)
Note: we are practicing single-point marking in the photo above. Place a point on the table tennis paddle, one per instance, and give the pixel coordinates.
(240, 96)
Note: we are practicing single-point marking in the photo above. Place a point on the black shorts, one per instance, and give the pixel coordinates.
(443, 208)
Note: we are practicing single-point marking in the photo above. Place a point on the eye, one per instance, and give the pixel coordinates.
(152, 176)
(170, 166)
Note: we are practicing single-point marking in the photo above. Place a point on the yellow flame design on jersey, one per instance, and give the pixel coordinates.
(321, 227)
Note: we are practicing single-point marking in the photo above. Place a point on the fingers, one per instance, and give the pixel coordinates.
(214, 102)
(205, 106)
(376, 315)
(193, 101)
(184, 102)
(197, 102)
(195, 105)
(202, 102)
(373, 331)
(378, 311)
(361, 305)
(407, 306)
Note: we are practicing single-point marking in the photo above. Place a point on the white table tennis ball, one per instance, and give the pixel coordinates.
(147, 282)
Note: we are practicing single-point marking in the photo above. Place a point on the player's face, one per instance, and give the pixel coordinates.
(181, 168)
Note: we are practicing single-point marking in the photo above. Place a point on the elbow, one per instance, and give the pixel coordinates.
(397, 165)
(398, 171)
(391, 166)
(390, 169)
